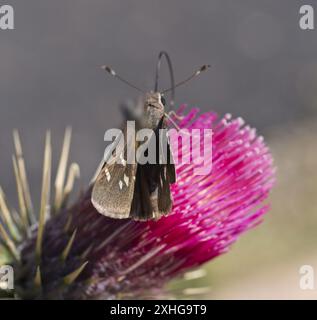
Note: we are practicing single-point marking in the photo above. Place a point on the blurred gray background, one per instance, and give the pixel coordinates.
(264, 68)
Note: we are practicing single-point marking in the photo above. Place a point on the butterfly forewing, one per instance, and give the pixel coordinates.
(114, 187)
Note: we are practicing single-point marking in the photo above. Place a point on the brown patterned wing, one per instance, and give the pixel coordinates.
(113, 189)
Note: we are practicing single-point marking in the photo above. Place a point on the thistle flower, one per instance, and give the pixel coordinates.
(76, 253)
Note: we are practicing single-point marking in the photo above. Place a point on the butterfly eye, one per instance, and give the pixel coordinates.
(163, 101)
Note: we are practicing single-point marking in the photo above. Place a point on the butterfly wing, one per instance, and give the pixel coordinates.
(152, 196)
(113, 189)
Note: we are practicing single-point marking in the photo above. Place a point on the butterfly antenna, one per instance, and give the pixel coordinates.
(195, 74)
(157, 74)
(114, 74)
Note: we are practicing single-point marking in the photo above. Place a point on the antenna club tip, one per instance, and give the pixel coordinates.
(108, 69)
(204, 67)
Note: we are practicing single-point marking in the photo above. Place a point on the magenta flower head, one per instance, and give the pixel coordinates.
(76, 253)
